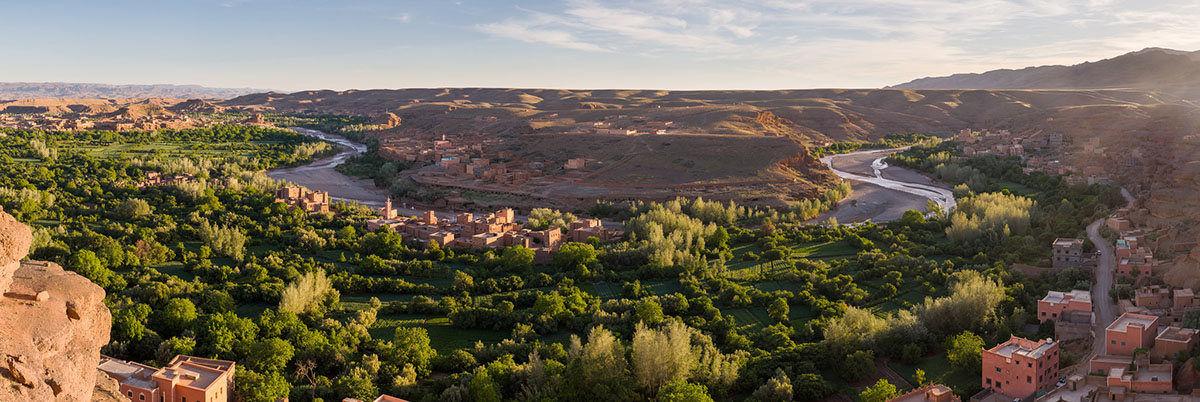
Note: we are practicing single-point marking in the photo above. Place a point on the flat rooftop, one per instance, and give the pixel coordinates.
(1125, 320)
(1023, 347)
(1063, 297)
(1176, 334)
(1062, 242)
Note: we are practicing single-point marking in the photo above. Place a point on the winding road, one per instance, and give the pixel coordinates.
(1103, 305)
(882, 192)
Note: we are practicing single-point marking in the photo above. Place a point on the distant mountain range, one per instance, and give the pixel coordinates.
(71, 90)
(1171, 71)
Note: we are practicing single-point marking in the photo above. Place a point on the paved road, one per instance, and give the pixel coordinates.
(882, 192)
(1106, 262)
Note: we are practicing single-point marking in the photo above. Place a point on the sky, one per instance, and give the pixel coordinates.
(295, 45)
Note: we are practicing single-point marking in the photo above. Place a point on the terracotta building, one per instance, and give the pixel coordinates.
(1055, 304)
(928, 393)
(1148, 378)
(185, 379)
(1020, 367)
(311, 201)
(1173, 340)
(1152, 297)
(1130, 331)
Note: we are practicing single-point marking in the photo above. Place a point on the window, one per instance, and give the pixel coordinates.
(141, 397)
(1029, 379)
(130, 393)
(997, 369)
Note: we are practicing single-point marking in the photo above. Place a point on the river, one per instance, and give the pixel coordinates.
(321, 175)
(882, 192)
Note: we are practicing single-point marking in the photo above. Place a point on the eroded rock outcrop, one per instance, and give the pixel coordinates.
(52, 325)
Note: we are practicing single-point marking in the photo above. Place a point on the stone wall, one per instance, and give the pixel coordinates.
(52, 325)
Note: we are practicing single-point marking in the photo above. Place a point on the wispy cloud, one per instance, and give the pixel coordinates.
(532, 33)
(401, 18)
(855, 40)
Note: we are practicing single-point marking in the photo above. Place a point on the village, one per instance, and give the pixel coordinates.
(1132, 358)
(106, 122)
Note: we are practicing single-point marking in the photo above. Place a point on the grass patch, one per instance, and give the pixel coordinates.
(756, 316)
(823, 250)
(662, 288)
(253, 310)
(938, 370)
(443, 336)
(175, 268)
(604, 290)
(362, 301)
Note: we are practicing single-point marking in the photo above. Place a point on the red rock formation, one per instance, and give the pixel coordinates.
(52, 325)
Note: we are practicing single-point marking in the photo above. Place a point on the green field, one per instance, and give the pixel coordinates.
(175, 269)
(253, 310)
(938, 370)
(603, 291)
(818, 251)
(362, 301)
(443, 336)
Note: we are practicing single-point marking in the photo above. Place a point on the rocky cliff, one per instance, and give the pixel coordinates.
(52, 325)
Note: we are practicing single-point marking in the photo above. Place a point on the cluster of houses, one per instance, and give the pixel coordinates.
(1030, 147)
(299, 197)
(477, 160)
(78, 122)
(493, 230)
(186, 378)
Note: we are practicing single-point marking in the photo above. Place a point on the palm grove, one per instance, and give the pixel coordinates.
(705, 300)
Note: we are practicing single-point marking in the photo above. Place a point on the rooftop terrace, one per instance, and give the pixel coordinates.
(1023, 347)
(1063, 297)
(1125, 320)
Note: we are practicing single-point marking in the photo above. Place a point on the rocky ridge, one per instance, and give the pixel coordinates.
(52, 326)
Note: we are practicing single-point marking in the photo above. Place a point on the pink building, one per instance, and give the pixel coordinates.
(1055, 304)
(1173, 340)
(1143, 265)
(1149, 378)
(185, 379)
(1020, 367)
(1130, 331)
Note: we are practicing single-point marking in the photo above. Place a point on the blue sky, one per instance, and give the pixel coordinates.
(670, 44)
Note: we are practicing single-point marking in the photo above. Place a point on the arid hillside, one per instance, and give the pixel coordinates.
(1165, 70)
(806, 115)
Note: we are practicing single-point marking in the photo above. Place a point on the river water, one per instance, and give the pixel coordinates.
(882, 192)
